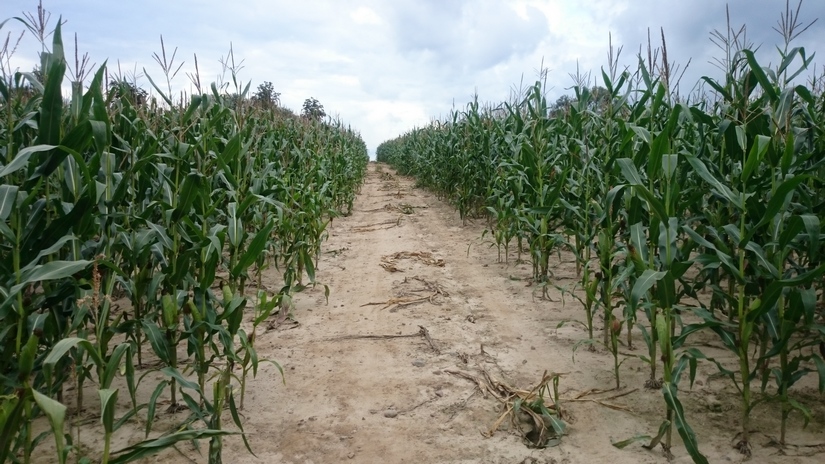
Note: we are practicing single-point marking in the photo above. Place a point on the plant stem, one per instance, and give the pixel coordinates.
(106, 444)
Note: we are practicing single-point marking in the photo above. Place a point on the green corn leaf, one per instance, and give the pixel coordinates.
(760, 75)
(108, 404)
(113, 365)
(51, 106)
(719, 255)
(22, 159)
(234, 231)
(63, 346)
(787, 60)
(812, 227)
(94, 88)
(757, 153)
(641, 132)
(127, 417)
(56, 414)
(55, 232)
(57, 41)
(158, 342)
(663, 428)
(820, 368)
(775, 288)
(233, 148)
(654, 441)
(656, 205)
(720, 188)
(805, 94)
(152, 405)
(75, 141)
(52, 270)
(806, 64)
(684, 429)
(236, 418)
(100, 134)
(648, 278)
(777, 201)
(190, 110)
(152, 447)
(130, 376)
(192, 189)
(8, 196)
(162, 236)
(256, 247)
(666, 290)
(175, 374)
(782, 110)
(309, 266)
(771, 321)
(629, 171)
(162, 95)
(657, 151)
(11, 421)
(669, 165)
(804, 410)
(639, 240)
(762, 259)
(6, 232)
(741, 137)
(715, 85)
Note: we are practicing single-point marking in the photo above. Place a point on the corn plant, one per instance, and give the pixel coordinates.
(114, 194)
(703, 208)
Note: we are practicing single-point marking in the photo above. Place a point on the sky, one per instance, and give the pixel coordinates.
(385, 67)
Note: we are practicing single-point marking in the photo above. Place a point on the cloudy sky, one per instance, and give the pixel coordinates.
(387, 66)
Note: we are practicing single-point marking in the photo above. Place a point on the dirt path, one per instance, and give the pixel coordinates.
(391, 400)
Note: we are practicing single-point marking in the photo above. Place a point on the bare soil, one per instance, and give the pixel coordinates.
(364, 384)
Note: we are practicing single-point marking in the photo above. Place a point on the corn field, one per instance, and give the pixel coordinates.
(686, 216)
(134, 235)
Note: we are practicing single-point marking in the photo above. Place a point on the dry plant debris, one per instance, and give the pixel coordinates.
(378, 226)
(433, 291)
(602, 401)
(404, 208)
(390, 262)
(422, 332)
(398, 302)
(535, 413)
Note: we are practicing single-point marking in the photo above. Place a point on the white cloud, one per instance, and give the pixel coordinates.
(366, 16)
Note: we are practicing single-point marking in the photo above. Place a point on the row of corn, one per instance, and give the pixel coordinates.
(686, 216)
(130, 234)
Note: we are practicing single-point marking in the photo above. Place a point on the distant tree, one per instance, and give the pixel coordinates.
(599, 99)
(561, 106)
(233, 100)
(313, 109)
(123, 89)
(266, 96)
(285, 112)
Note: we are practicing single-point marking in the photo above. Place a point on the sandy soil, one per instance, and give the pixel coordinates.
(392, 399)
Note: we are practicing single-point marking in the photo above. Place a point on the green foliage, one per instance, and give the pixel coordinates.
(102, 194)
(266, 95)
(123, 89)
(683, 216)
(313, 110)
